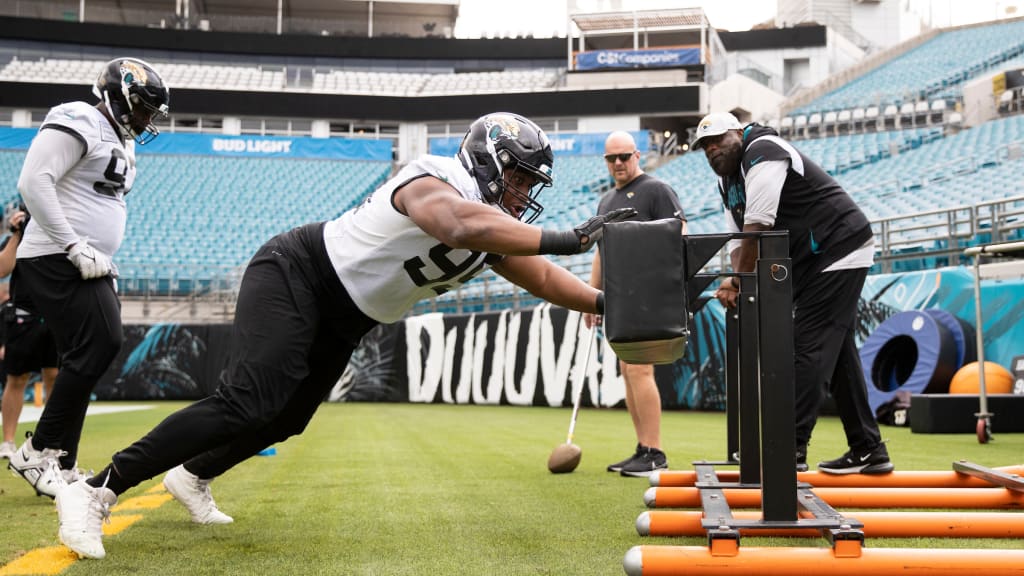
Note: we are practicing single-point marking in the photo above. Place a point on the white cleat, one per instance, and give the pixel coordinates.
(194, 493)
(7, 449)
(81, 510)
(40, 468)
(75, 474)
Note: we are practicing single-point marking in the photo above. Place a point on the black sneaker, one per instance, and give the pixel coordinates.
(618, 465)
(801, 460)
(873, 461)
(646, 461)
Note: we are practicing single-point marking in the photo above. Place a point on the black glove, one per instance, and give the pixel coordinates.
(572, 241)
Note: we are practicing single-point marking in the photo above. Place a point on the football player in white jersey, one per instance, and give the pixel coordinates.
(76, 173)
(309, 295)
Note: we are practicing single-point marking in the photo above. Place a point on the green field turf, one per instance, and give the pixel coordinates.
(400, 489)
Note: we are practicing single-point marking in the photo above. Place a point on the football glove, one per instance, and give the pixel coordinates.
(91, 263)
(583, 237)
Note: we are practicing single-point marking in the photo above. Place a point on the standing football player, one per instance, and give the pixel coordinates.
(76, 173)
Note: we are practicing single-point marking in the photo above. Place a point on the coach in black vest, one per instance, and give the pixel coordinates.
(767, 184)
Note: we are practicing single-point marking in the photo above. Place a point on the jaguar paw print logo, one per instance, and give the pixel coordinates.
(501, 128)
(132, 72)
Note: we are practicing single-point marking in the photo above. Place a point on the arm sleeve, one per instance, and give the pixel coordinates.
(730, 227)
(764, 184)
(51, 155)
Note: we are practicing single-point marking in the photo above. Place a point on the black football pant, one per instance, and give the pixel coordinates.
(825, 355)
(295, 329)
(85, 318)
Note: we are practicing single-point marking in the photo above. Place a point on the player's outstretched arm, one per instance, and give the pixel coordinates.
(440, 211)
(545, 279)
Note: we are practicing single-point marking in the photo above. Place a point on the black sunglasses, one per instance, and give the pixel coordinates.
(622, 157)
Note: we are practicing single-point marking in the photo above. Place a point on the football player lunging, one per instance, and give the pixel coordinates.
(309, 295)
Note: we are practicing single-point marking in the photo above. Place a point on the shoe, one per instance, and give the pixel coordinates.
(81, 510)
(75, 474)
(618, 465)
(7, 449)
(40, 468)
(801, 460)
(646, 461)
(194, 493)
(873, 461)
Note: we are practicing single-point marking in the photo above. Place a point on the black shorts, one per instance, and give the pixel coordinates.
(30, 346)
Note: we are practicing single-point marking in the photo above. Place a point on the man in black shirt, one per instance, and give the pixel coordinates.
(767, 184)
(653, 200)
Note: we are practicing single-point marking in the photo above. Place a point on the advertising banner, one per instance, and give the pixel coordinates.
(660, 58)
(251, 146)
(561, 144)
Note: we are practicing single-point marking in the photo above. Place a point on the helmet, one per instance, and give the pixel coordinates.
(504, 141)
(134, 94)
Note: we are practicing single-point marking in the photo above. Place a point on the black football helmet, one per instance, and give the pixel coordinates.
(501, 142)
(135, 95)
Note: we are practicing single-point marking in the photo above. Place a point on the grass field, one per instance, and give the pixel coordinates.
(400, 489)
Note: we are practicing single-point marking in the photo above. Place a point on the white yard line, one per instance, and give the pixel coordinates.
(31, 413)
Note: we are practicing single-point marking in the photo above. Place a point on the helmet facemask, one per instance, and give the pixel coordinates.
(141, 122)
(517, 187)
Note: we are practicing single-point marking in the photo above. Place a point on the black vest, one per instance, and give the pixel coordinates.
(824, 223)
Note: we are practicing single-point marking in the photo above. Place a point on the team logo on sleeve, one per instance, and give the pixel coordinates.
(501, 128)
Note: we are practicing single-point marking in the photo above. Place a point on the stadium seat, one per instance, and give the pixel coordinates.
(786, 127)
(921, 116)
(814, 125)
(938, 112)
(906, 115)
(857, 120)
(871, 119)
(890, 117)
(800, 127)
(828, 123)
(844, 124)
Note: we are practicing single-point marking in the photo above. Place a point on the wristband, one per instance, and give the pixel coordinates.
(600, 304)
(563, 243)
(735, 282)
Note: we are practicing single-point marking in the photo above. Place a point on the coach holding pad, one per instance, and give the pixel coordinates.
(653, 200)
(767, 184)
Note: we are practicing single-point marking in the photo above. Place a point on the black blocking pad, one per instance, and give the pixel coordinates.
(643, 268)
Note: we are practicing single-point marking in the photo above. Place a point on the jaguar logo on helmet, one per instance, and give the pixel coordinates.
(501, 127)
(132, 72)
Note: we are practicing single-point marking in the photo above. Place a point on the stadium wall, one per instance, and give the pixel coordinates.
(533, 357)
(660, 100)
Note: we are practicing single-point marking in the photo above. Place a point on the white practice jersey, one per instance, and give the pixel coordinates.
(385, 261)
(90, 194)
